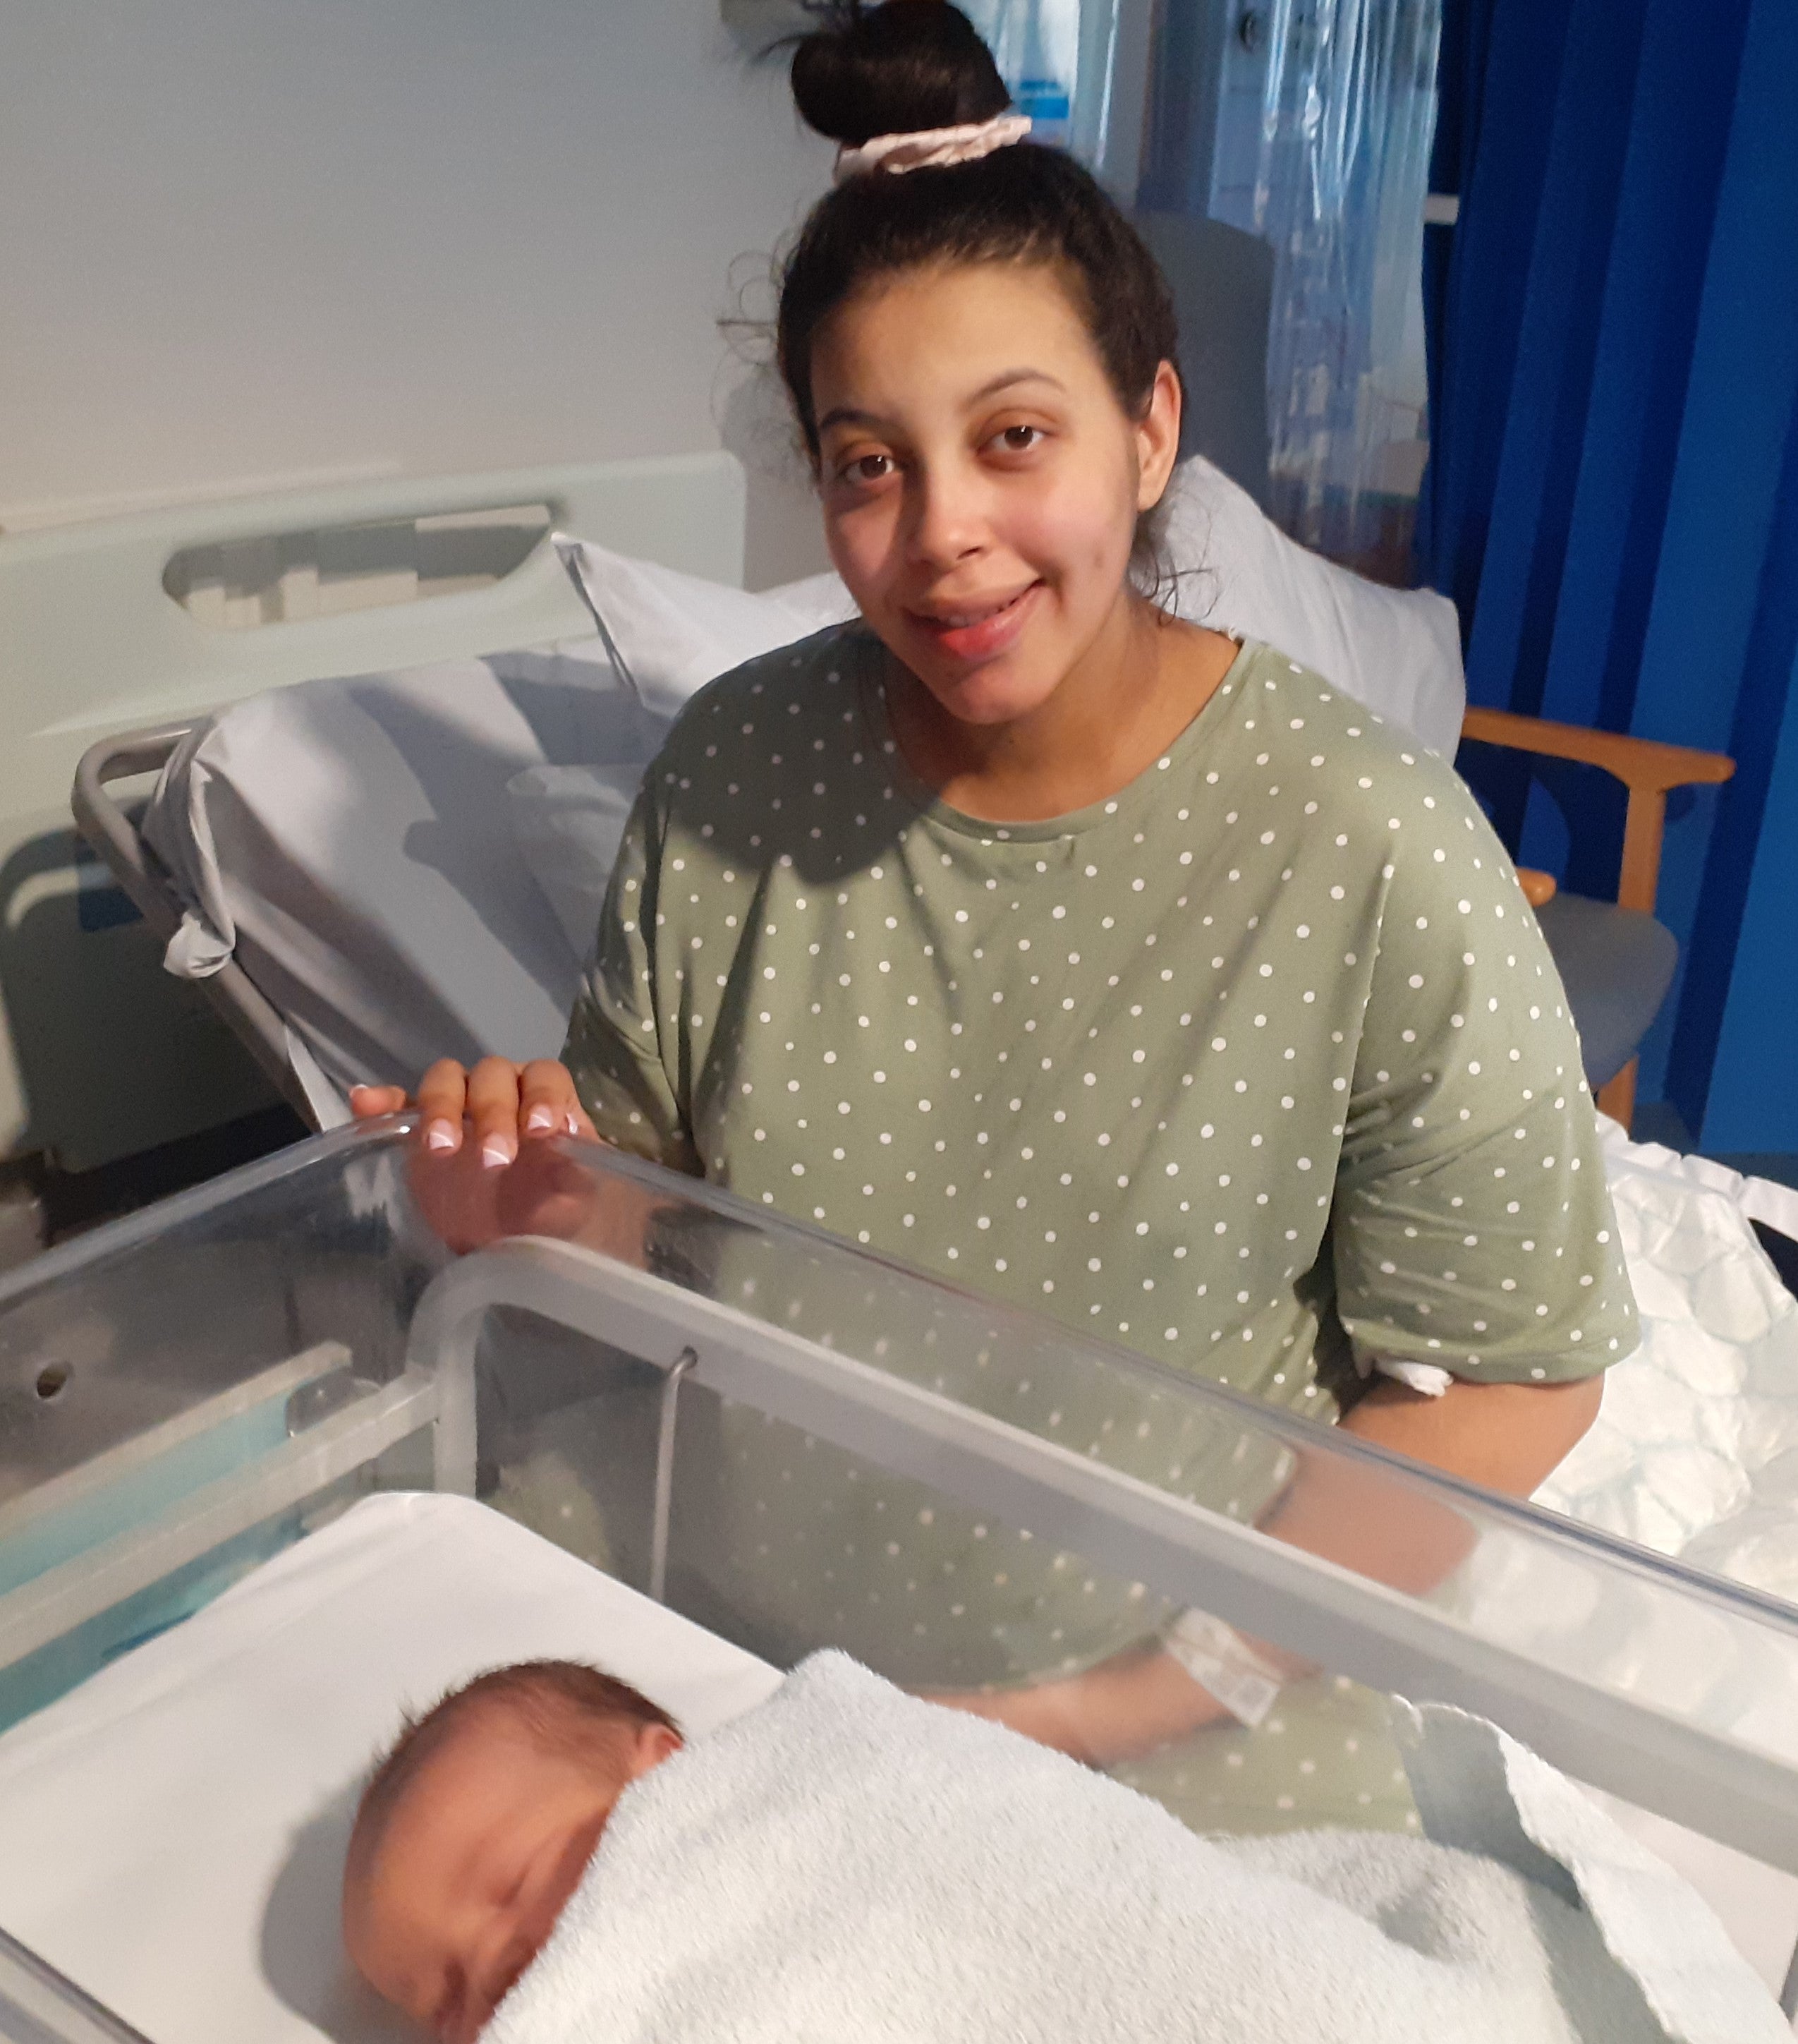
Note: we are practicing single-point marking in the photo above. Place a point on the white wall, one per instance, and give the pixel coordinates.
(247, 243)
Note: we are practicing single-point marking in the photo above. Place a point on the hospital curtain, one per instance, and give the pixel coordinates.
(1611, 498)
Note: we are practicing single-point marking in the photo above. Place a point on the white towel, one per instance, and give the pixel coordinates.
(846, 1863)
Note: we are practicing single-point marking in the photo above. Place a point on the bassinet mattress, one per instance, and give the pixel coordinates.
(172, 1833)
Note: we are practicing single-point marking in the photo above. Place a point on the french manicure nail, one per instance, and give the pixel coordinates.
(540, 1118)
(572, 1122)
(439, 1136)
(496, 1151)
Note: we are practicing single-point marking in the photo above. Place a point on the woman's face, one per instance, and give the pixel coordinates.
(980, 480)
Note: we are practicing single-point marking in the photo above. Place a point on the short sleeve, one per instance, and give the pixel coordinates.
(614, 1046)
(1472, 1226)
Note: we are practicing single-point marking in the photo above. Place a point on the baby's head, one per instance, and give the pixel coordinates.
(476, 1827)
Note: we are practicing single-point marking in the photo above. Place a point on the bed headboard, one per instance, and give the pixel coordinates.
(163, 615)
(96, 635)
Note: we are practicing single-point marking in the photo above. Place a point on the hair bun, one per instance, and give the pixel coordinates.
(895, 70)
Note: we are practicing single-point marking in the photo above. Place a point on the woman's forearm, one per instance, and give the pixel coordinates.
(1504, 1436)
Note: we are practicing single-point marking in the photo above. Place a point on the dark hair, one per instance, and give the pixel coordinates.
(564, 1708)
(915, 64)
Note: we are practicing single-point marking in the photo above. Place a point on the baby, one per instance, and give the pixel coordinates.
(476, 1829)
(844, 1846)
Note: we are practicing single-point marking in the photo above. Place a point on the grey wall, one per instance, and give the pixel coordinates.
(248, 242)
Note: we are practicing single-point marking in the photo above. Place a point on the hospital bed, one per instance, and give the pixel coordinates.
(150, 621)
(273, 1464)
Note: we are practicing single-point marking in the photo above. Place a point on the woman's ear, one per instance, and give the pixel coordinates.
(1158, 438)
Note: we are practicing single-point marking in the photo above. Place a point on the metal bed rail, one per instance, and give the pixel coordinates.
(107, 826)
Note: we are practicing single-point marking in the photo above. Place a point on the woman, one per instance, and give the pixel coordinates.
(1083, 955)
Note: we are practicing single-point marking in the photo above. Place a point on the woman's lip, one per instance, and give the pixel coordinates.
(988, 636)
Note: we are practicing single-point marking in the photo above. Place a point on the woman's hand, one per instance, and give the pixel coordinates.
(1506, 1437)
(504, 1103)
(498, 1175)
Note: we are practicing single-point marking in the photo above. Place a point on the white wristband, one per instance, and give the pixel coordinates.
(1219, 1659)
(1430, 1378)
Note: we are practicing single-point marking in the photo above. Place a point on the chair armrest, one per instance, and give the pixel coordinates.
(1645, 766)
(1638, 762)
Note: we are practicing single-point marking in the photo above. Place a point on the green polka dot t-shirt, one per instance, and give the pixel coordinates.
(1260, 1066)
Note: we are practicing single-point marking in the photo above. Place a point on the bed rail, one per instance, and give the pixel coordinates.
(109, 828)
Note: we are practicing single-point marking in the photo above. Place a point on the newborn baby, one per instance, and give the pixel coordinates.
(476, 1828)
(844, 1847)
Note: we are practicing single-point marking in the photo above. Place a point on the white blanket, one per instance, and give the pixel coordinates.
(1695, 1452)
(847, 1863)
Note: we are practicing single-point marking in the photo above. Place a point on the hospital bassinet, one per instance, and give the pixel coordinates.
(199, 1388)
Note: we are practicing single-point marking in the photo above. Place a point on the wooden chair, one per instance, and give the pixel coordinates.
(1650, 771)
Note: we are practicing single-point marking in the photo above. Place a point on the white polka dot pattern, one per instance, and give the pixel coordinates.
(1266, 1046)
(1262, 1055)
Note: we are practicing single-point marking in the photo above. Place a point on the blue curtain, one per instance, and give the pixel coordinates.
(1613, 494)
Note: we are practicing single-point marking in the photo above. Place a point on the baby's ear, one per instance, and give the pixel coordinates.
(654, 1744)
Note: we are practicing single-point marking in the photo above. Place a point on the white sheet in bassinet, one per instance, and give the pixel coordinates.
(172, 1833)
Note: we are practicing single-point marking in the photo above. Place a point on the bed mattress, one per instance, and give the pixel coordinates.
(174, 1829)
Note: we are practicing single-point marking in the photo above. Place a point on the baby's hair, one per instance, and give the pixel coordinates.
(564, 1708)
(915, 64)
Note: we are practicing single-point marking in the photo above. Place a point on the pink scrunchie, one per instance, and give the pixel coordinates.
(931, 147)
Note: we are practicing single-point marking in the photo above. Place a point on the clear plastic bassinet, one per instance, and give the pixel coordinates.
(792, 1444)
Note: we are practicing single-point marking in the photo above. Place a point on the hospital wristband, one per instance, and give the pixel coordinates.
(1430, 1378)
(1221, 1661)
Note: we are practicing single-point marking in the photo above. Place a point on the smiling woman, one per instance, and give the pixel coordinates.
(1100, 962)
(985, 520)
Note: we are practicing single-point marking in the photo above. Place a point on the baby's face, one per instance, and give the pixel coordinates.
(474, 1864)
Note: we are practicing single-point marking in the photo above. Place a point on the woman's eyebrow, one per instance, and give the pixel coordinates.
(852, 414)
(1007, 377)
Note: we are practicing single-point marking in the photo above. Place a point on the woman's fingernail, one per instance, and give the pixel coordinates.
(497, 1151)
(572, 1122)
(540, 1118)
(439, 1136)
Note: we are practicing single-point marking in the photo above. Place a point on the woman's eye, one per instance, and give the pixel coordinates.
(867, 468)
(1018, 439)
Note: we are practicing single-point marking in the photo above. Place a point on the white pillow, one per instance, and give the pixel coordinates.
(675, 632)
(1397, 651)
(567, 822)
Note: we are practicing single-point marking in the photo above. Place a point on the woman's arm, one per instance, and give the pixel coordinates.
(1505, 1437)
(1470, 1223)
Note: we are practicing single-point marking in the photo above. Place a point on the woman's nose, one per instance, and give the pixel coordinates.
(949, 520)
